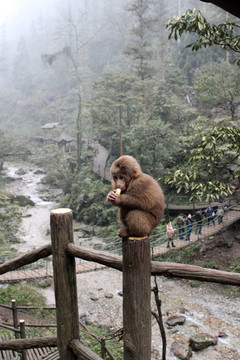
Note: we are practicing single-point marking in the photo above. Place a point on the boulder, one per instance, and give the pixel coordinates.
(108, 296)
(21, 171)
(22, 200)
(175, 320)
(201, 341)
(181, 351)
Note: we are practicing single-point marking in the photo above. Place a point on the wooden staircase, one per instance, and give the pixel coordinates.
(46, 353)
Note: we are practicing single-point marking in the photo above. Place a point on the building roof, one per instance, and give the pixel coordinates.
(231, 6)
(51, 125)
(63, 137)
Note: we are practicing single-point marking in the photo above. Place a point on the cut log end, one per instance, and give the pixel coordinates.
(61, 211)
(137, 238)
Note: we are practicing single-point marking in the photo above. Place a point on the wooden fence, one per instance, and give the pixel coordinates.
(18, 328)
(137, 269)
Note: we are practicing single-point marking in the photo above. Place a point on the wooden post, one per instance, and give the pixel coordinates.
(15, 318)
(136, 299)
(23, 336)
(65, 282)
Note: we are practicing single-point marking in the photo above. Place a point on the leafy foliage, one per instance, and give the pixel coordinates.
(150, 145)
(218, 86)
(224, 35)
(184, 255)
(115, 107)
(140, 48)
(206, 174)
(87, 198)
(235, 266)
(10, 218)
(93, 341)
(23, 294)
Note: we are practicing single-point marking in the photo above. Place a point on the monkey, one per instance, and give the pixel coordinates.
(141, 201)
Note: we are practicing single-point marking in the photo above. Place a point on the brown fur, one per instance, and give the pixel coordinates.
(141, 204)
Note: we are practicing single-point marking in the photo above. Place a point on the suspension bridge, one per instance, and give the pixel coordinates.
(158, 247)
(232, 215)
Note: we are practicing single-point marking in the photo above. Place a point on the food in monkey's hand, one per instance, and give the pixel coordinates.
(118, 191)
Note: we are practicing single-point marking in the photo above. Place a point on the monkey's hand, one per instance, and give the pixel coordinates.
(111, 197)
(122, 232)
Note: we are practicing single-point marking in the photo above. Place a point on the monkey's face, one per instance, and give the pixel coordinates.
(120, 181)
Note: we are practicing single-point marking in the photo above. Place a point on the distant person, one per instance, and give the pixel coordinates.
(210, 215)
(189, 223)
(181, 226)
(220, 213)
(198, 218)
(170, 234)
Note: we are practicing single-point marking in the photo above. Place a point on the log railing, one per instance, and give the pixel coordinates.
(137, 269)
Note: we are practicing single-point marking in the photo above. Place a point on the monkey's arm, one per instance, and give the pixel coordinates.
(127, 200)
(134, 202)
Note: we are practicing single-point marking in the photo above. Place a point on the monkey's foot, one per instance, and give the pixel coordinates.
(122, 232)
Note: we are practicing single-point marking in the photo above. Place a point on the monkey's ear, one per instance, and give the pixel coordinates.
(136, 172)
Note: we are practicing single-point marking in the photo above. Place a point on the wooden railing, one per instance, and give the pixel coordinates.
(19, 328)
(137, 269)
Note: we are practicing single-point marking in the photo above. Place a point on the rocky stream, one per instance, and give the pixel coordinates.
(201, 308)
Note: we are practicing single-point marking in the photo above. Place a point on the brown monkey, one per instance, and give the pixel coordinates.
(141, 202)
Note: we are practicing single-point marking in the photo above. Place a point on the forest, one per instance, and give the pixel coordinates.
(116, 74)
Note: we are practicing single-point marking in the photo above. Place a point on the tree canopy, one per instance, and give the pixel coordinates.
(207, 173)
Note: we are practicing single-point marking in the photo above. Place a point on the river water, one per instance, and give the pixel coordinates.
(205, 309)
(34, 231)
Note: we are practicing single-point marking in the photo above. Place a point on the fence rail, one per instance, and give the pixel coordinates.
(7, 351)
(64, 252)
(157, 245)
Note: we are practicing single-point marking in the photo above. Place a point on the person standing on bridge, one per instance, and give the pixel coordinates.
(189, 222)
(180, 224)
(210, 215)
(170, 234)
(198, 218)
(220, 213)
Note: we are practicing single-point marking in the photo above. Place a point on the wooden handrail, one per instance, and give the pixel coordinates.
(11, 328)
(26, 259)
(167, 269)
(193, 272)
(100, 257)
(21, 344)
(83, 352)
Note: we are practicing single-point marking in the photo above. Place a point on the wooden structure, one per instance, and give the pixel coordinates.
(43, 353)
(63, 141)
(136, 267)
(50, 127)
(64, 281)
